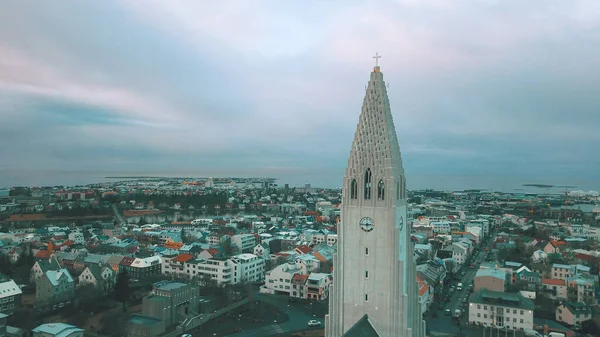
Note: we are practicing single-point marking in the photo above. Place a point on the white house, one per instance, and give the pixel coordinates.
(247, 268)
(103, 277)
(262, 250)
(501, 309)
(244, 242)
(278, 280)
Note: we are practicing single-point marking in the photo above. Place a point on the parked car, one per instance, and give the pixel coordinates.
(314, 322)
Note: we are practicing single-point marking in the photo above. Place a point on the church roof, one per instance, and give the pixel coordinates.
(362, 328)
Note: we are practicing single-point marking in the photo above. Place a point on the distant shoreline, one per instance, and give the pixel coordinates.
(139, 178)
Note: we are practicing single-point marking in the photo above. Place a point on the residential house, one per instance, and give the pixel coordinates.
(40, 267)
(573, 313)
(425, 296)
(555, 247)
(317, 286)
(581, 289)
(501, 309)
(531, 278)
(491, 279)
(114, 262)
(55, 287)
(278, 280)
(142, 268)
(299, 289)
(539, 256)
(10, 297)
(434, 273)
(102, 277)
(555, 288)
(564, 271)
(262, 250)
(57, 330)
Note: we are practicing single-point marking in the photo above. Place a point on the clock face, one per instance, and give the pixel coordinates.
(401, 223)
(366, 224)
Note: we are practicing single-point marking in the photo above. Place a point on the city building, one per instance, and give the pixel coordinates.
(54, 287)
(102, 277)
(10, 297)
(490, 279)
(170, 303)
(501, 309)
(247, 268)
(142, 268)
(573, 313)
(374, 282)
(244, 242)
(57, 330)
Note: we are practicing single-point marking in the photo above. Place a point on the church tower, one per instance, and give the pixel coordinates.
(374, 290)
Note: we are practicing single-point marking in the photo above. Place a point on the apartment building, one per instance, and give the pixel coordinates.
(490, 279)
(494, 308)
(186, 267)
(564, 271)
(244, 242)
(247, 268)
(10, 297)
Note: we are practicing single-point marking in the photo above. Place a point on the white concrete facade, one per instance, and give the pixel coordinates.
(374, 271)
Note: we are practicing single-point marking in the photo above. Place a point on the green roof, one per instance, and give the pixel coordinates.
(362, 328)
(503, 299)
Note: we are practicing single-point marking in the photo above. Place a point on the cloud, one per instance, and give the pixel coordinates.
(500, 88)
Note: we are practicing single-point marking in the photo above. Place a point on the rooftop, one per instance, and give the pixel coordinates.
(143, 320)
(511, 300)
(168, 285)
(57, 329)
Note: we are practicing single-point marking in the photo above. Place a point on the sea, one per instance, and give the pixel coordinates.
(317, 178)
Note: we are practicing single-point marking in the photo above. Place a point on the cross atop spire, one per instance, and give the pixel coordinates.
(377, 57)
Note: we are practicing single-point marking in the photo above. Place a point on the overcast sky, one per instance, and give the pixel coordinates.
(492, 92)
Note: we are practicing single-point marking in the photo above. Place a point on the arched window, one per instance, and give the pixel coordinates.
(368, 177)
(380, 190)
(353, 189)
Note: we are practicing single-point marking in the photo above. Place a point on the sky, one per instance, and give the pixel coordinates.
(484, 94)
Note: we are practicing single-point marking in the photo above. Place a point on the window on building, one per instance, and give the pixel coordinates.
(353, 189)
(478, 314)
(478, 306)
(484, 315)
(521, 320)
(380, 190)
(366, 251)
(397, 191)
(522, 312)
(368, 181)
(366, 298)
(366, 274)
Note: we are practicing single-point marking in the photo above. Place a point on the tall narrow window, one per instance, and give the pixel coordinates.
(397, 191)
(380, 190)
(368, 177)
(366, 274)
(353, 189)
(366, 251)
(366, 298)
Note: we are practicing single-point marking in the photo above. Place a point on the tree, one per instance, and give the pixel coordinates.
(113, 324)
(88, 296)
(122, 290)
(226, 244)
(6, 266)
(325, 267)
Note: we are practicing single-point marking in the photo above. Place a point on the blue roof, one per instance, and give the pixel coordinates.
(57, 329)
(496, 273)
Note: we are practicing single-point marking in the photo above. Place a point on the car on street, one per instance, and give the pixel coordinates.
(314, 322)
(186, 335)
(447, 312)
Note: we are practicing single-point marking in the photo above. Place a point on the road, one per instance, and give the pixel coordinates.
(299, 314)
(118, 215)
(441, 322)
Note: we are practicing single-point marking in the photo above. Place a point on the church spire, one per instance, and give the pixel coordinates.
(374, 277)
